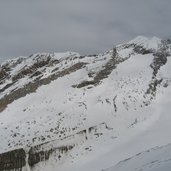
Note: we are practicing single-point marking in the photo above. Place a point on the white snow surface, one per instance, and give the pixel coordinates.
(130, 135)
(148, 43)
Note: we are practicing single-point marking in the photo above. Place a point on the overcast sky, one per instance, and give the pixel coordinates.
(85, 26)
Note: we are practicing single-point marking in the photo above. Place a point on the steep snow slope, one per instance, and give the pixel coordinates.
(155, 159)
(64, 111)
(156, 142)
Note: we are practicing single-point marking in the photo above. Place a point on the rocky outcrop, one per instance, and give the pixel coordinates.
(33, 86)
(141, 50)
(13, 160)
(36, 154)
(105, 72)
(160, 59)
(16, 159)
(20, 158)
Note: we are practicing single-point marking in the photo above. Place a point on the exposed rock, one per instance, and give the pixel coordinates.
(141, 50)
(13, 160)
(105, 72)
(33, 86)
(17, 159)
(160, 59)
(3, 74)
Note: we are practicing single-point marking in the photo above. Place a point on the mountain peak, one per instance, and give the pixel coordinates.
(58, 109)
(146, 42)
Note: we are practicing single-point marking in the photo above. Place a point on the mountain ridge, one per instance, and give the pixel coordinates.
(60, 107)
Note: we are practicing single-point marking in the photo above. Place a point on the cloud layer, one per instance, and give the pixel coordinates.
(90, 26)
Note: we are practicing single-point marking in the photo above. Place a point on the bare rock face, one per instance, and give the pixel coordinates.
(160, 59)
(3, 74)
(20, 158)
(13, 160)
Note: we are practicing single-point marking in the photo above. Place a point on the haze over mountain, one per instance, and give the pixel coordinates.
(104, 112)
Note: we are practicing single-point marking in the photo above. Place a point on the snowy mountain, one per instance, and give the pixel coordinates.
(106, 112)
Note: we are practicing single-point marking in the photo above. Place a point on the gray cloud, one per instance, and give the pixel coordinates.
(90, 26)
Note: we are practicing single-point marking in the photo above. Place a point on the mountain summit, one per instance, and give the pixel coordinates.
(68, 112)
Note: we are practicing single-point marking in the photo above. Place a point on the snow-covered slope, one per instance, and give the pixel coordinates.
(155, 159)
(68, 112)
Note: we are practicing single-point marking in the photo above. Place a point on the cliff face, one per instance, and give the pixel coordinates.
(60, 109)
(13, 160)
(27, 158)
